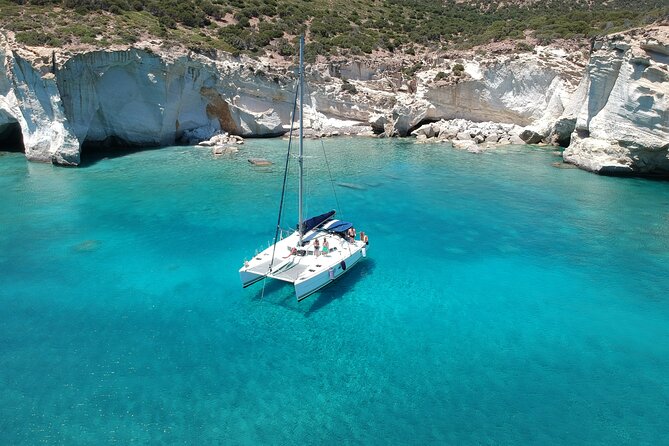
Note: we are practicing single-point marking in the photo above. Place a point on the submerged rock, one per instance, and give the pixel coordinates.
(352, 186)
(225, 150)
(561, 165)
(87, 246)
(260, 162)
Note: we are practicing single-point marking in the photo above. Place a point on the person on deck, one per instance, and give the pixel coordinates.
(351, 234)
(326, 246)
(317, 247)
(293, 251)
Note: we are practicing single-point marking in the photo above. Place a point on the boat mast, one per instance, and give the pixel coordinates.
(300, 157)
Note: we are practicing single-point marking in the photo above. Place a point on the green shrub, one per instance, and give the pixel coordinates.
(410, 71)
(524, 46)
(337, 26)
(284, 48)
(38, 38)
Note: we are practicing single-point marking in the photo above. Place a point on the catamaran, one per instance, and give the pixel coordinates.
(319, 251)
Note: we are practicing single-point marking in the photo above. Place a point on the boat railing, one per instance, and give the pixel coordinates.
(283, 233)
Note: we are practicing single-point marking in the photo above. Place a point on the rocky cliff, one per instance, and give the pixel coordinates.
(614, 120)
(135, 98)
(31, 103)
(621, 109)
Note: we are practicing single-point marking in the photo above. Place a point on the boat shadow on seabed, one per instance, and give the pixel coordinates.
(277, 293)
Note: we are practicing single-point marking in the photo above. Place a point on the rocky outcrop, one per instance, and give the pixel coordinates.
(471, 135)
(32, 101)
(622, 118)
(222, 143)
(513, 89)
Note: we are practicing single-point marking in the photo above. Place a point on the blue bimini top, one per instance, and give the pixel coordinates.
(313, 222)
(332, 226)
(337, 226)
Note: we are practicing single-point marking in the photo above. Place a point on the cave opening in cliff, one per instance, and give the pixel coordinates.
(422, 123)
(112, 147)
(11, 138)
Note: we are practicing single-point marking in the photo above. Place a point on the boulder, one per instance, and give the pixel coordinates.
(530, 136)
(378, 123)
(463, 136)
(427, 131)
(492, 138)
(466, 145)
(515, 139)
(260, 162)
(225, 150)
(562, 130)
(407, 117)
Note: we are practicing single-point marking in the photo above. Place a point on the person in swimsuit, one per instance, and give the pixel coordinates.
(293, 251)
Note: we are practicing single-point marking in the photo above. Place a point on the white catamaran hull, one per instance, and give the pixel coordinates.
(307, 286)
(307, 271)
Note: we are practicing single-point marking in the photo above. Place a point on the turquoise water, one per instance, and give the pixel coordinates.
(504, 301)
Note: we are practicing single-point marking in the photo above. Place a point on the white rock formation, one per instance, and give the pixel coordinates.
(220, 140)
(135, 97)
(622, 124)
(140, 98)
(616, 118)
(467, 134)
(33, 102)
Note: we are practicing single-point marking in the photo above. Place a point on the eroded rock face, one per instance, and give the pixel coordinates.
(511, 90)
(135, 97)
(34, 102)
(622, 124)
(614, 120)
(141, 98)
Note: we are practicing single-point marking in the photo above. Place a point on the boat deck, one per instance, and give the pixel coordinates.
(290, 273)
(282, 269)
(295, 268)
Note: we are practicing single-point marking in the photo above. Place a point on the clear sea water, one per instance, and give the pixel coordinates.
(504, 301)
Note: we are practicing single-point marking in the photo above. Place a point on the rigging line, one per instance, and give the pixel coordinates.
(283, 187)
(327, 164)
(348, 245)
(262, 294)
